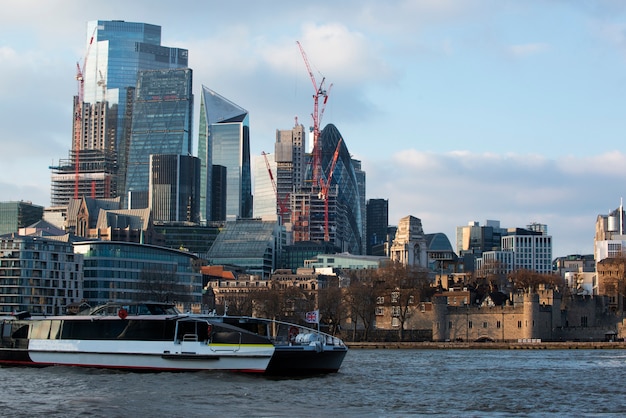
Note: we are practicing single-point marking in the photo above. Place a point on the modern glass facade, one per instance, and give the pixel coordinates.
(350, 222)
(265, 205)
(162, 120)
(174, 184)
(115, 52)
(16, 215)
(121, 272)
(249, 243)
(118, 52)
(377, 223)
(225, 131)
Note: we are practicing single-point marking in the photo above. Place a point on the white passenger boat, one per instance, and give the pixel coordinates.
(150, 337)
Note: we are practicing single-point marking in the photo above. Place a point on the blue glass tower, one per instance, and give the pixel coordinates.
(115, 53)
(118, 51)
(224, 140)
(162, 120)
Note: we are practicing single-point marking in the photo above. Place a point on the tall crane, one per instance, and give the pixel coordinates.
(325, 186)
(78, 114)
(282, 207)
(320, 92)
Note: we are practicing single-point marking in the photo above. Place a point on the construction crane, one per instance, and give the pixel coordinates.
(78, 115)
(325, 186)
(320, 92)
(282, 207)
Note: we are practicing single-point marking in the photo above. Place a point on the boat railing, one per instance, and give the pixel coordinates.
(283, 332)
(190, 337)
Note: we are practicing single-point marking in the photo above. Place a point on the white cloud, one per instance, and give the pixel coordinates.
(448, 190)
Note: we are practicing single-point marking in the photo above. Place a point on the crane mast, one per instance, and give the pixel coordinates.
(282, 208)
(78, 115)
(320, 92)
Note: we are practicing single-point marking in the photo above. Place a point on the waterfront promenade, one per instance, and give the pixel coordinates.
(561, 345)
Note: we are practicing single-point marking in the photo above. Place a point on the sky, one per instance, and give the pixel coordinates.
(460, 110)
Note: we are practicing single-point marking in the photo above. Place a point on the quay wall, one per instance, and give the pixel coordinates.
(561, 345)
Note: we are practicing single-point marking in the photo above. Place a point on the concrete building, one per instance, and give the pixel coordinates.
(39, 275)
(291, 164)
(521, 249)
(346, 261)
(409, 246)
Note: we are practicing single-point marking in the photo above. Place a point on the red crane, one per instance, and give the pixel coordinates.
(325, 186)
(317, 115)
(283, 210)
(78, 115)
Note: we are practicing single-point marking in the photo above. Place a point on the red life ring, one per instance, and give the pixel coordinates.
(293, 331)
(122, 313)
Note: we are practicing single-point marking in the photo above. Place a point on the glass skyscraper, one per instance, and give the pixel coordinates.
(115, 52)
(118, 52)
(224, 139)
(162, 120)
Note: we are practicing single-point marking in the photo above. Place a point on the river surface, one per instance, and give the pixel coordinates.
(371, 383)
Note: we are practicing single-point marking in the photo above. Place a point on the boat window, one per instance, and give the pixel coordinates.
(113, 329)
(40, 330)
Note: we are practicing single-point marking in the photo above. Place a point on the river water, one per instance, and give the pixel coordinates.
(371, 383)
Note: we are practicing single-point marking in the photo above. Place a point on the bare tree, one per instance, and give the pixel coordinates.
(361, 297)
(161, 286)
(405, 286)
(331, 305)
(524, 279)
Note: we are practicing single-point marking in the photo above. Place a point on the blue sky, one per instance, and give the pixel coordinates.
(459, 110)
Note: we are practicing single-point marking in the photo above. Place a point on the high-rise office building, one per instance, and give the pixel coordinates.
(265, 206)
(291, 166)
(348, 184)
(162, 120)
(332, 211)
(115, 52)
(224, 138)
(377, 223)
(174, 184)
(119, 51)
(16, 215)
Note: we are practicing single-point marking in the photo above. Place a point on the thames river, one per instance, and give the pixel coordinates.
(371, 383)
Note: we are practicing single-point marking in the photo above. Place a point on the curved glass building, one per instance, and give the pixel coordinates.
(349, 222)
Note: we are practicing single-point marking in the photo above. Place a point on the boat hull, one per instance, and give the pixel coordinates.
(305, 360)
(140, 356)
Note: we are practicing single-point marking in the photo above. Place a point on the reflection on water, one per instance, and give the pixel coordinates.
(370, 383)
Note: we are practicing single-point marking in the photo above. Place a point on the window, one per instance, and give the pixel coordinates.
(583, 321)
(380, 300)
(395, 296)
(484, 325)
(498, 324)
(380, 310)
(395, 311)
(395, 322)
(469, 324)
(519, 324)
